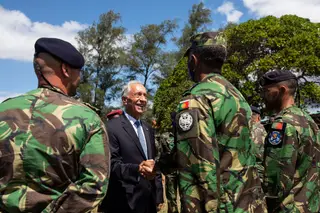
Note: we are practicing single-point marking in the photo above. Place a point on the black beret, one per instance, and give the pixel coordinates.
(255, 110)
(60, 49)
(276, 77)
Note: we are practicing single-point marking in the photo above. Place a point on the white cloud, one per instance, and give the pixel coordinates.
(303, 8)
(6, 95)
(18, 34)
(227, 8)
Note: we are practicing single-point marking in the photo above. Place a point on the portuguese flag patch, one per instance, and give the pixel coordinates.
(278, 126)
(184, 105)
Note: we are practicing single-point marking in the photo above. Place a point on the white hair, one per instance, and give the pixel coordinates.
(126, 88)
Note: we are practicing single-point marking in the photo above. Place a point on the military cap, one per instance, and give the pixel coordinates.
(207, 39)
(60, 49)
(276, 77)
(255, 110)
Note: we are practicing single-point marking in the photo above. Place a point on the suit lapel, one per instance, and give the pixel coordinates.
(129, 129)
(147, 135)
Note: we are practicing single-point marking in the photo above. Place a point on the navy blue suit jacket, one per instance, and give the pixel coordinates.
(128, 191)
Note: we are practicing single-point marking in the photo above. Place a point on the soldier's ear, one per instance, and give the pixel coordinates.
(194, 59)
(283, 90)
(65, 71)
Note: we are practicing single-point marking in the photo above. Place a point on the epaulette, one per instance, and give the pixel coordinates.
(92, 107)
(188, 91)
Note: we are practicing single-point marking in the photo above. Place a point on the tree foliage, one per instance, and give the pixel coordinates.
(144, 57)
(100, 45)
(169, 94)
(168, 63)
(199, 19)
(255, 47)
(258, 46)
(177, 79)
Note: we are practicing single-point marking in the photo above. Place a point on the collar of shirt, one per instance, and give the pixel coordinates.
(132, 121)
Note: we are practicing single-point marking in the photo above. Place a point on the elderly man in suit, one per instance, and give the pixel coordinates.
(135, 185)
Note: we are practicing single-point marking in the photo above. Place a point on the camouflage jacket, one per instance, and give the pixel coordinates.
(166, 141)
(258, 135)
(54, 154)
(214, 152)
(292, 163)
(157, 138)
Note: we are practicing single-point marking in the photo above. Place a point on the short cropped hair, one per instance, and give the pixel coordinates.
(126, 88)
(212, 56)
(292, 84)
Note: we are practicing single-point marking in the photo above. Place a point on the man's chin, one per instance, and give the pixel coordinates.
(140, 109)
(140, 112)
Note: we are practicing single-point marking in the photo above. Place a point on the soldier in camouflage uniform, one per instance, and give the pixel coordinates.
(166, 140)
(54, 152)
(292, 149)
(258, 135)
(214, 152)
(157, 137)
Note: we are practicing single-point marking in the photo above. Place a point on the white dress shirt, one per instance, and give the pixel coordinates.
(132, 121)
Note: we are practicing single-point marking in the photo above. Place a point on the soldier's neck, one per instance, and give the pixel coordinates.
(207, 72)
(62, 89)
(287, 103)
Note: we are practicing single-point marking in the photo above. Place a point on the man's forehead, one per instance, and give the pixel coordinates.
(137, 87)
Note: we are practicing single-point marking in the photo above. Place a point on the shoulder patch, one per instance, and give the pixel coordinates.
(185, 121)
(275, 137)
(276, 134)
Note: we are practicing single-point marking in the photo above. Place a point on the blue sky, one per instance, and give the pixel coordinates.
(22, 22)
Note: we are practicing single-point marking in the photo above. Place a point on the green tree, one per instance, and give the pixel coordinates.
(144, 58)
(168, 62)
(174, 79)
(169, 94)
(258, 46)
(100, 45)
(199, 19)
(254, 48)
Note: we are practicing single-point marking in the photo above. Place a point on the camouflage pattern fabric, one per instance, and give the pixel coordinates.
(258, 135)
(54, 154)
(207, 39)
(157, 138)
(214, 152)
(199, 41)
(171, 192)
(292, 163)
(166, 141)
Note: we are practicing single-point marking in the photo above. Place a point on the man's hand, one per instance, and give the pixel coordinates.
(146, 169)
